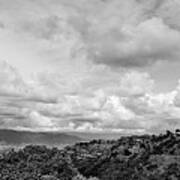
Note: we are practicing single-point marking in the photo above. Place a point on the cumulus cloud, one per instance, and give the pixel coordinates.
(148, 42)
(86, 65)
(131, 106)
(38, 107)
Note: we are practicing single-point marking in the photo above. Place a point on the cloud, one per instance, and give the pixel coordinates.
(122, 83)
(136, 83)
(177, 95)
(144, 44)
(81, 65)
(169, 12)
(156, 112)
(127, 34)
(44, 28)
(46, 106)
(115, 33)
(11, 81)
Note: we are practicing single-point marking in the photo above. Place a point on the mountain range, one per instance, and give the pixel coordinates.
(17, 138)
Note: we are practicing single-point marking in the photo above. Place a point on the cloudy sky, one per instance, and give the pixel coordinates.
(90, 65)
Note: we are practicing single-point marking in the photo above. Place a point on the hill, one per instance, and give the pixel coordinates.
(18, 138)
(145, 157)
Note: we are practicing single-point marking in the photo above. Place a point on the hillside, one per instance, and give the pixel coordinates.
(147, 157)
(12, 137)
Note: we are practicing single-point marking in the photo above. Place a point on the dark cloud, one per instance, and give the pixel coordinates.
(85, 119)
(149, 42)
(2, 26)
(13, 116)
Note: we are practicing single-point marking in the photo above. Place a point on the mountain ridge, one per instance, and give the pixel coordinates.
(15, 137)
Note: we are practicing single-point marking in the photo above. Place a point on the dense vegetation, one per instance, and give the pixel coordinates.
(148, 157)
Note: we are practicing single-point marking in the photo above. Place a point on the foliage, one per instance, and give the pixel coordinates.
(129, 158)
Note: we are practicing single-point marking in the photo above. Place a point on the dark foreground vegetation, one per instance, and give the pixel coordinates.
(148, 157)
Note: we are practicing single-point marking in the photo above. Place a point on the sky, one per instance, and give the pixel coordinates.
(90, 66)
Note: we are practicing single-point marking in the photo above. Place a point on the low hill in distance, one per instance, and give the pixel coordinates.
(101, 135)
(18, 138)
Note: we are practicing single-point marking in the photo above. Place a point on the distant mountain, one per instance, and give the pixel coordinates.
(13, 137)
